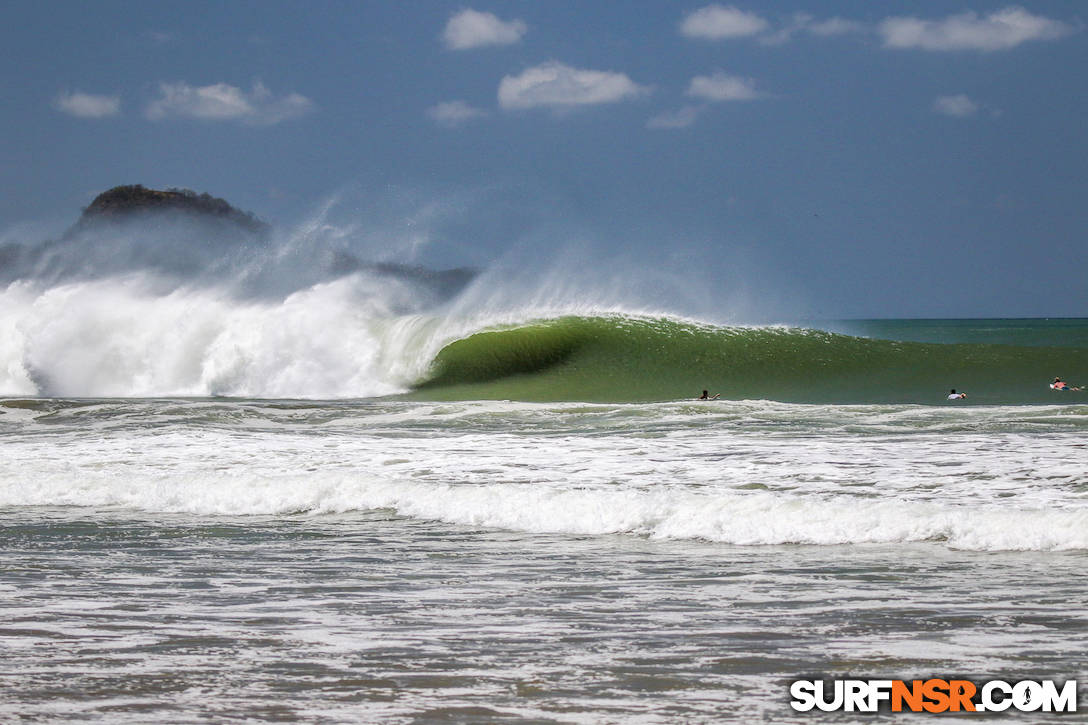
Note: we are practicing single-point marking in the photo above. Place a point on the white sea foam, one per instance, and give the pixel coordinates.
(729, 477)
(741, 518)
(122, 337)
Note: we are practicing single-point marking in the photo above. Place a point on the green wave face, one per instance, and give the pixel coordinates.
(626, 359)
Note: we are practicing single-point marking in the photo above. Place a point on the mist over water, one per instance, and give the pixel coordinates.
(171, 305)
(328, 308)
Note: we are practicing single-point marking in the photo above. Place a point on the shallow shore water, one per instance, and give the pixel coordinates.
(393, 561)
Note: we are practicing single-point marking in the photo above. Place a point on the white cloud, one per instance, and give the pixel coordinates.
(834, 26)
(681, 118)
(958, 106)
(723, 87)
(222, 102)
(473, 29)
(87, 105)
(717, 22)
(559, 86)
(454, 113)
(1000, 30)
(805, 23)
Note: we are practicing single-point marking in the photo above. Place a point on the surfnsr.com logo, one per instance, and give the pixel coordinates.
(933, 695)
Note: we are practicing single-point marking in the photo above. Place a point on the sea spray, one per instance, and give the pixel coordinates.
(117, 337)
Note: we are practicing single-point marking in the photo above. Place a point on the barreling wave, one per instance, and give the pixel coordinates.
(366, 335)
(153, 305)
(619, 358)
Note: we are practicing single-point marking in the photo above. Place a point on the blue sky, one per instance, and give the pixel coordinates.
(832, 159)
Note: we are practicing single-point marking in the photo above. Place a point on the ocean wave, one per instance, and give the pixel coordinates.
(370, 334)
(638, 358)
(123, 337)
(748, 518)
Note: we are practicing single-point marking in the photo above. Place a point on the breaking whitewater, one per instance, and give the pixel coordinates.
(258, 476)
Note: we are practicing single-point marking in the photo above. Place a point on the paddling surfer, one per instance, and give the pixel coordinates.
(956, 396)
(1060, 384)
(706, 396)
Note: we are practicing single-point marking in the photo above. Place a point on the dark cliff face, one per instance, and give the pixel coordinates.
(123, 203)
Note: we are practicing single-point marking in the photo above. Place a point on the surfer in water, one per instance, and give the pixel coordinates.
(1060, 384)
(956, 396)
(706, 396)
